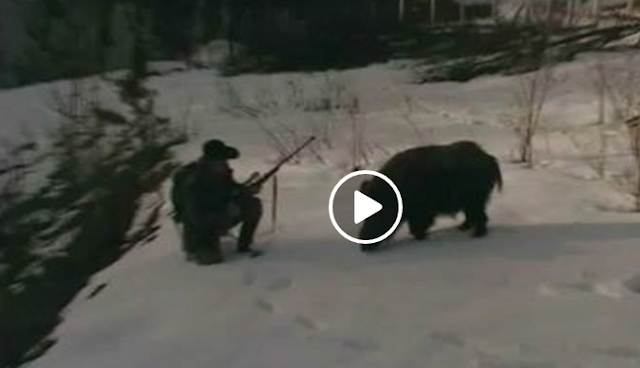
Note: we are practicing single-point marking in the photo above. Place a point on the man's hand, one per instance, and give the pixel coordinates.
(253, 177)
(254, 188)
(248, 190)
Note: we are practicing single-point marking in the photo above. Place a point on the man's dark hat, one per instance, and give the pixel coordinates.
(215, 149)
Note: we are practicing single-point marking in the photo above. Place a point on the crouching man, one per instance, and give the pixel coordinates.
(211, 203)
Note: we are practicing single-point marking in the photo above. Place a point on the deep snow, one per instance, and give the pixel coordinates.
(549, 287)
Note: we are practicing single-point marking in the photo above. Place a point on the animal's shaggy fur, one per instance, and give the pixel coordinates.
(434, 180)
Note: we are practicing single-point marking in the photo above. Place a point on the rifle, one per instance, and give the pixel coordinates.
(263, 179)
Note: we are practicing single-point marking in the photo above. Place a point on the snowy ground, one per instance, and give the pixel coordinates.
(551, 286)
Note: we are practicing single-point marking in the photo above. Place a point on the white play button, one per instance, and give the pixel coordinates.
(363, 207)
(351, 210)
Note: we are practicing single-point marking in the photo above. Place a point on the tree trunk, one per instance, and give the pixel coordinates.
(549, 12)
(462, 8)
(570, 5)
(228, 26)
(596, 11)
(432, 12)
(401, 11)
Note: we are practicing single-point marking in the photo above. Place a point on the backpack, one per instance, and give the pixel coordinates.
(179, 190)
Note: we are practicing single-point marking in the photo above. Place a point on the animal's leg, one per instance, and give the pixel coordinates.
(478, 219)
(419, 225)
(368, 248)
(468, 223)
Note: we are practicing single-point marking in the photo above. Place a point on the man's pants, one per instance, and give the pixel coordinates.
(204, 232)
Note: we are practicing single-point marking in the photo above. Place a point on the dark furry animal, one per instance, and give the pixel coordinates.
(434, 180)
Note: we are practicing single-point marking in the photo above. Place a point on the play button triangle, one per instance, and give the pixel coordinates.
(363, 207)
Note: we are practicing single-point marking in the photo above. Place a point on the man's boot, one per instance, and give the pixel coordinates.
(210, 254)
(206, 247)
(189, 240)
(208, 257)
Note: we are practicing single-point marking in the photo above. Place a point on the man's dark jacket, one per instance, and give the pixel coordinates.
(200, 194)
(209, 193)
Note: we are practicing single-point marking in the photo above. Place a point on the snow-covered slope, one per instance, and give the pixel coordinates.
(544, 290)
(551, 286)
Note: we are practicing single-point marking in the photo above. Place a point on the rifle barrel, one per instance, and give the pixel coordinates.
(275, 169)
